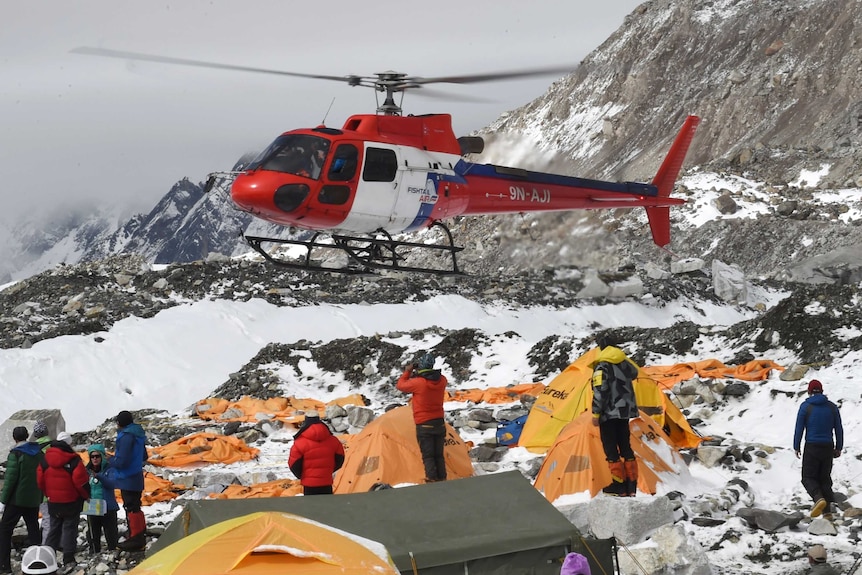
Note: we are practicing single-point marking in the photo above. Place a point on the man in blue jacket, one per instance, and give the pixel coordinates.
(126, 470)
(820, 420)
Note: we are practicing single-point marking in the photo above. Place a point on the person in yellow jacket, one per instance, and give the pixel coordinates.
(614, 404)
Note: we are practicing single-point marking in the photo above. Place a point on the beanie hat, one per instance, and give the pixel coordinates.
(124, 418)
(312, 414)
(814, 386)
(817, 553)
(39, 559)
(40, 429)
(20, 433)
(426, 362)
(575, 564)
(64, 437)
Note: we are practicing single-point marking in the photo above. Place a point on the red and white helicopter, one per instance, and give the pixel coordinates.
(381, 174)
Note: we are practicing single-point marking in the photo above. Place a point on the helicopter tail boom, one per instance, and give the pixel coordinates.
(665, 178)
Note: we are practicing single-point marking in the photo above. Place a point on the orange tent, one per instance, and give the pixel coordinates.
(386, 451)
(576, 462)
(269, 542)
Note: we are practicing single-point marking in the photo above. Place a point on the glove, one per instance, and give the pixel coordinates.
(836, 453)
(595, 422)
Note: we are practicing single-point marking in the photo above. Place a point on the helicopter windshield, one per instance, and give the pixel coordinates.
(297, 154)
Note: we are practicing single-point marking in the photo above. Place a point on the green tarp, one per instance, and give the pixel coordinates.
(490, 524)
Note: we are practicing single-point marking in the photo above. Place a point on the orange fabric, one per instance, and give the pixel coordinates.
(277, 488)
(202, 447)
(496, 394)
(576, 462)
(669, 375)
(386, 451)
(285, 409)
(428, 395)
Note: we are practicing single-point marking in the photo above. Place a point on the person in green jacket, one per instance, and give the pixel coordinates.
(20, 496)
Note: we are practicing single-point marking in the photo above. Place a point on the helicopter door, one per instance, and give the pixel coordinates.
(377, 190)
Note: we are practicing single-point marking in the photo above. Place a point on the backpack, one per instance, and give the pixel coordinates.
(509, 432)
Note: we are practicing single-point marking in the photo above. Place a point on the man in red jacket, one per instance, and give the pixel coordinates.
(66, 483)
(315, 455)
(428, 387)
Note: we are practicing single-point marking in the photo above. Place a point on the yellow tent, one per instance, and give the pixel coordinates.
(269, 542)
(386, 451)
(571, 393)
(576, 462)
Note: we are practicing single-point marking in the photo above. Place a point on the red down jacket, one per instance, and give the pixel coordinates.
(316, 454)
(64, 480)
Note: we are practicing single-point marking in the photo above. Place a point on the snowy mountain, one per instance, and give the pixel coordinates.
(777, 85)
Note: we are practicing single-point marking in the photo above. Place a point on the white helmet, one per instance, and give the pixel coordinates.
(39, 559)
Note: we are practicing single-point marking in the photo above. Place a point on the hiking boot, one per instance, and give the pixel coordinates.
(615, 489)
(829, 517)
(818, 507)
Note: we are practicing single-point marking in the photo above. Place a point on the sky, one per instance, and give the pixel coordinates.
(82, 128)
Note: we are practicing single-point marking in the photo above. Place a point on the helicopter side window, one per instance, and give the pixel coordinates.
(381, 165)
(344, 163)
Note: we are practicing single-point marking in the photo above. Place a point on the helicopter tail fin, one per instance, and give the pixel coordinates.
(665, 178)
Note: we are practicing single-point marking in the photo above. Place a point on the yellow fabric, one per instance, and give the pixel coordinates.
(202, 447)
(576, 462)
(570, 394)
(269, 542)
(386, 451)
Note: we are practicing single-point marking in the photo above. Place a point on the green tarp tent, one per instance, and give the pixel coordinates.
(490, 524)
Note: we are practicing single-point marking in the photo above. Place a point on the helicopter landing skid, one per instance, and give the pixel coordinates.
(365, 255)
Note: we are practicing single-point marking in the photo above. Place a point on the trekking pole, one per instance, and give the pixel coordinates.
(855, 565)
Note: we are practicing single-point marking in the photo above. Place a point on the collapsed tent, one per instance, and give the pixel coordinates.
(571, 393)
(269, 542)
(202, 448)
(493, 524)
(386, 451)
(576, 462)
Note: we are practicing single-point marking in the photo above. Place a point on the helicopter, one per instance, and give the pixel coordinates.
(353, 189)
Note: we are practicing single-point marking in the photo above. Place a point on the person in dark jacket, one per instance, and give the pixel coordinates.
(20, 496)
(315, 455)
(102, 488)
(126, 471)
(428, 387)
(40, 436)
(64, 480)
(820, 421)
(613, 405)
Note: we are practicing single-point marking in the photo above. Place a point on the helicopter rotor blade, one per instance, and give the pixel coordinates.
(123, 55)
(494, 76)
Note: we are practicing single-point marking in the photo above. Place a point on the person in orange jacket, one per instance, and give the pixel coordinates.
(315, 455)
(428, 387)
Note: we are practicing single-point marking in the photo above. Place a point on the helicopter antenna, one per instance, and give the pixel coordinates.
(323, 123)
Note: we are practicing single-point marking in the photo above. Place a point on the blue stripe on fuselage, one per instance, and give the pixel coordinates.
(425, 208)
(517, 175)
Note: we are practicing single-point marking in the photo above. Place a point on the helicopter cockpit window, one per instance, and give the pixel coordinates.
(294, 154)
(381, 165)
(344, 162)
